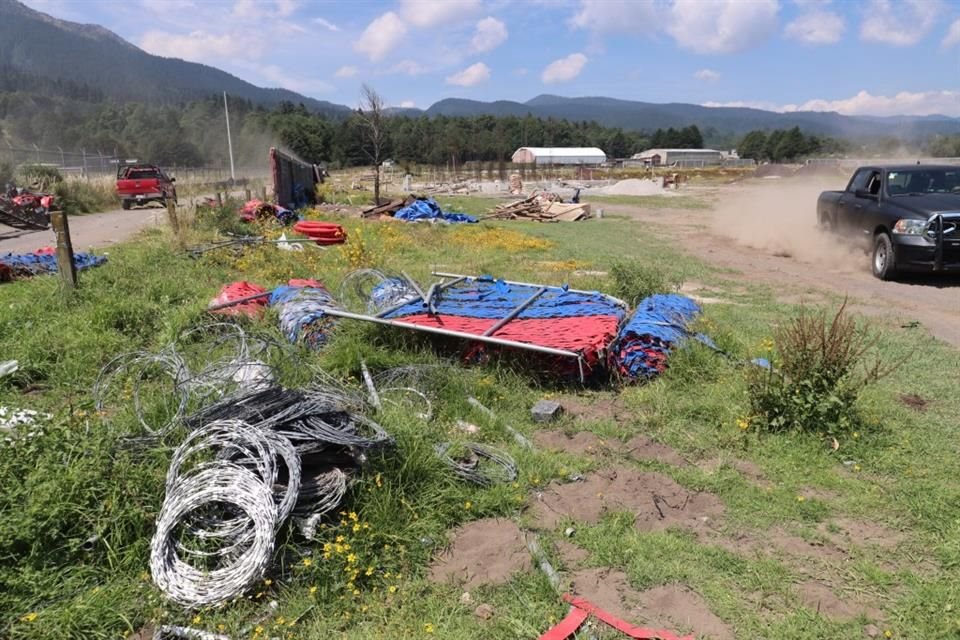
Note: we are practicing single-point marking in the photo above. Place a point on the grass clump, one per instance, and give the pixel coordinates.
(821, 369)
(633, 281)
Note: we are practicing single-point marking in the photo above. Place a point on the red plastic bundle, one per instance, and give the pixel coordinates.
(308, 282)
(236, 291)
(321, 232)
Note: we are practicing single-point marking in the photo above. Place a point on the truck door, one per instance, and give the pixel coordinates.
(849, 205)
(864, 206)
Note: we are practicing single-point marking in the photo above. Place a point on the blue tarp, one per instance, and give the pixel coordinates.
(429, 210)
(32, 263)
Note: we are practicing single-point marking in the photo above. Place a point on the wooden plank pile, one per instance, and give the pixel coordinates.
(542, 208)
(388, 209)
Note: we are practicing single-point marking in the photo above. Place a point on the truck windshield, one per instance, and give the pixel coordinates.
(923, 181)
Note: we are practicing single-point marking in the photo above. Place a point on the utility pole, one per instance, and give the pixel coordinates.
(226, 111)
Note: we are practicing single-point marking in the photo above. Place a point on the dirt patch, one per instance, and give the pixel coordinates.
(643, 448)
(747, 469)
(861, 533)
(816, 493)
(795, 545)
(673, 608)
(680, 609)
(572, 555)
(579, 443)
(487, 551)
(820, 599)
(656, 501)
(914, 401)
(701, 294)
(593, 409)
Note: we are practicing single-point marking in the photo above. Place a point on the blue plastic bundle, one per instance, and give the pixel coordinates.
(428, 209)
(644, 344)
(301, 313)
(29, 264)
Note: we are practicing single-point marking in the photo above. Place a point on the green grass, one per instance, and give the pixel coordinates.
(76, 481)
(652, 202)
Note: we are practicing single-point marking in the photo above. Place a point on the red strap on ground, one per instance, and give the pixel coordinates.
(567, 626)
(582, 609)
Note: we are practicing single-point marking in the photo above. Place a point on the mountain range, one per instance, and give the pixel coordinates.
(35, 43)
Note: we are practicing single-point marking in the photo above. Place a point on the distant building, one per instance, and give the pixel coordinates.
(678, 157)
(559, 155)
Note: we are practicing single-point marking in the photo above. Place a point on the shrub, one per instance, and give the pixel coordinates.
(632, 281)
(6, 173)
(820, 368)
(40, 177)
(78, 196)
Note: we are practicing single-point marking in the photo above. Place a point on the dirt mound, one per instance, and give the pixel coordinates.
(487, 551)
(670, 607)
(571, 555)
(579, 443)
(858, 532)
(774, 171)
(656, 501)
(825, 170)
(820, 599)
(643, 448)
(592, 408)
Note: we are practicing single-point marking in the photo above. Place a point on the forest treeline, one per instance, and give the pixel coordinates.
(59, 114)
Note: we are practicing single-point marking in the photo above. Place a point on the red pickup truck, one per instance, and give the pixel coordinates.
(143, 183)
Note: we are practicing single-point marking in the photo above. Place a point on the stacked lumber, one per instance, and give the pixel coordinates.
(387, 209)
(542, 208)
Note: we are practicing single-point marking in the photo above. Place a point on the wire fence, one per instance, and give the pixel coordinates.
(98, 164)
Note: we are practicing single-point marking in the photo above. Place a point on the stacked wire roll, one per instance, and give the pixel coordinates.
(301, 313)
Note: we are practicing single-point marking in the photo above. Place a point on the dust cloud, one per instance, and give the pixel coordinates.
(779, 217)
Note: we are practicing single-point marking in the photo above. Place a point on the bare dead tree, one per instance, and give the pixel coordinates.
(371, 114)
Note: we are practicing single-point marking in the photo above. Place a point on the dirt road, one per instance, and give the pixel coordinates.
(96, 230)
(766, 231)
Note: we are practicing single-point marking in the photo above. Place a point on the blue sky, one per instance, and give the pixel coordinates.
(879, 57)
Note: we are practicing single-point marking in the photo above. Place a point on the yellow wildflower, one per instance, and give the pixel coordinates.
(307, 562)
(801, 498)
(392, 588)
(30, 617)
(197, 619)
(313, 589)
(428, 628)
(467, 505)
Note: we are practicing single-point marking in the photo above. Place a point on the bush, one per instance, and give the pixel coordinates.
(6, 174)
(632, 281)
(820, 368)
(40, 177)
(77, 196)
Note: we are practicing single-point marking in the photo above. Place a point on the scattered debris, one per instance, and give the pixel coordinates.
(546, 411)
(542, 207)
(478, 463)
(18, 424)
(254, 210)
(23, 209)
(8, 367)
(644, 344)
(240, 298)
(581, 610)
(516, 184)
(322, 233)
(484, 611)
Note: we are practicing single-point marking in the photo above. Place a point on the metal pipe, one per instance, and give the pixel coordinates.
(401, 305)
(517, 436)
(231, 303)
(428, 301)
(440, 274)
(413, 283)
(339, 313)
(516, 311)
(368, 380)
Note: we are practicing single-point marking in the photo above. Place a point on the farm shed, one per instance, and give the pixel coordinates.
(679, 157)
(559, 155)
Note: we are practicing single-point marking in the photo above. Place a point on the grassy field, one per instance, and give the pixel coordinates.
(652, 202)
(785, 499)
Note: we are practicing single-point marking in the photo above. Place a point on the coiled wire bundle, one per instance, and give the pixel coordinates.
(478, 463)
(301, 313)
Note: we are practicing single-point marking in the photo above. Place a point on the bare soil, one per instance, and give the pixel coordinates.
(571, 555)
(581, 443)
(483, 552)
(643, 448)
(672, 607)
(914, 401)
(93, 231)
(656, 501)
(820, 599)
(593, 408)
(766, 231)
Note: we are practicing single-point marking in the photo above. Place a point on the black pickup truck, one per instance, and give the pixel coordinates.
(907, 215)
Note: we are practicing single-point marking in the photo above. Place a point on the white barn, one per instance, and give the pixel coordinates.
(559, 155)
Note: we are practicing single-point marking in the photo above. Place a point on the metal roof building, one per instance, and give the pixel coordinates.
(559, 155)
(680, 157)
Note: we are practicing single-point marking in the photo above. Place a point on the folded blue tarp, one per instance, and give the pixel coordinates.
(429, 210)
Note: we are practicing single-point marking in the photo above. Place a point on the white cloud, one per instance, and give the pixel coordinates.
(922, 103)
(472, 75)
(902, 24)
(722, 26)
(432, 13)
(279, 77)
(326, 24)
(346, 71)
(816, 27)
(952, 38)
(489, 35)
(200, 46)
(409, 67)
(408, 104)
(608, 16)
(287, 7)
(707, 75)
(564, 69)
(380, 36)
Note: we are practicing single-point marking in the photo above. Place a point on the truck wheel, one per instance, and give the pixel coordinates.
(125, 204)
(827, 224)
(884, 257)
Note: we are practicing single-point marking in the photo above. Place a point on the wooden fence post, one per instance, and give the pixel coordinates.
(219, 200)
(249, 195)
(65, 265)
(174, 221)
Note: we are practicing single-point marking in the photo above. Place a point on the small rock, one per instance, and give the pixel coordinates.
(466, 598)
(569, 531)
(871, 631)
(467, 427)
(546, 411)
(484, 612)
